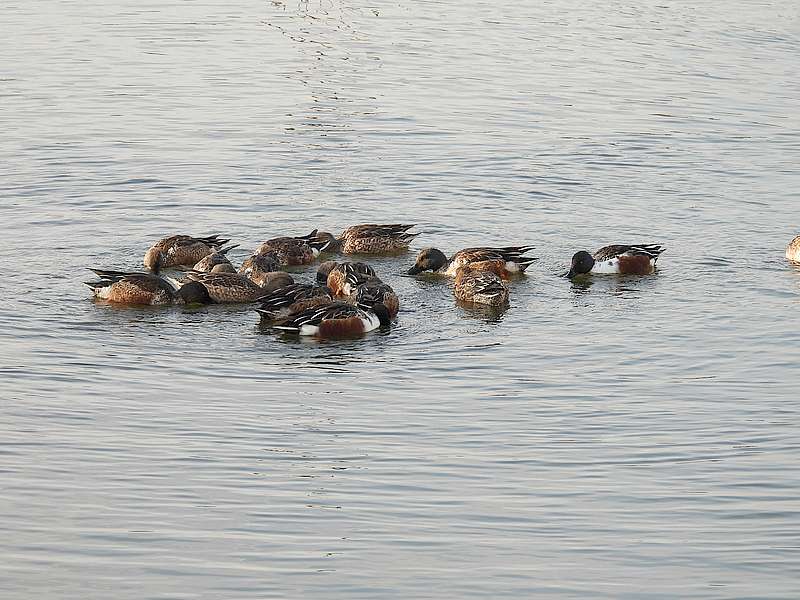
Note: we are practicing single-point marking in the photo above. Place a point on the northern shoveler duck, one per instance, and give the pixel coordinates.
(344, 277)
(216, 262)
(622, 259)
(292, 299)
(265, 270)
(504, 262)
(272, 280)
(793, 250)
(370, 238)
(181, 251)
(370, 291)
(479, 286)
(227, 287)
(325, 269)
(336, 320)
(294, 251)
(130, 287)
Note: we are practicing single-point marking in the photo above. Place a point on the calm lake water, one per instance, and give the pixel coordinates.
(629, 438)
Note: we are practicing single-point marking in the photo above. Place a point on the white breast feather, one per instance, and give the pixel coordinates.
(102, 292)
(308, 330)
(606, 266)
(371, 322)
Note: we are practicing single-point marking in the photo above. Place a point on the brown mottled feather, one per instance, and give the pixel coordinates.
(227, 287)
(336, 281)
(128, 292)
(480, 287)
(223, 268)
(261, 268)
(496, 266)
(216, 262)
(373, 238)
(289, 251)
(793, 250)
(133, 288)
(185, 250)
(273, 280)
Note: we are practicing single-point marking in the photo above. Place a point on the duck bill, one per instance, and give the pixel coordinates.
(415, 270)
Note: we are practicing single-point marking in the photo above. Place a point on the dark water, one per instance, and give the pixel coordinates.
(633, 438)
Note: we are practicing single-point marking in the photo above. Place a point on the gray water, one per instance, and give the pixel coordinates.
(625, 438)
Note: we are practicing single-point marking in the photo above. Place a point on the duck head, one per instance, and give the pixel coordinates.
(325, 269)
(382, 313)
(582, 263)
(430, 259)
(154, 259)
(194, 292)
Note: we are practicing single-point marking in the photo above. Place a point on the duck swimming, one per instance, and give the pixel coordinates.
(336, 320)
(181, 251)
(370, 238)
(479, 286)
(292, 299)
(294, 251)
(622, 259)
(131, 287)
(217, 261)
(505, 261)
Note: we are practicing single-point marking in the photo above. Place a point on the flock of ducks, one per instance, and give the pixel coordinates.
(347, 298)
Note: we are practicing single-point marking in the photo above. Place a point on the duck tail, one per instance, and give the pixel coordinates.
(226, 249)
(213, 240)
(526, 261)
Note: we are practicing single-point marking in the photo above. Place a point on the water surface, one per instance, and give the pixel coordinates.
(627, 438)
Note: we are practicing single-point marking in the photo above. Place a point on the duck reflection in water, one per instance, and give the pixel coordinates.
(483, 312)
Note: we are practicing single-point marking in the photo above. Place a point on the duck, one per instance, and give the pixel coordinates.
(370, 291)
(793, 250)
(343, 278)
(216, 262)
(265, 270)
(133, 287)
(227, 287)
(370, 238)
(292, 299)
(324, 270)
(294, 251)
(479, 286)
(336, 320)
(180, 251)
(272, 280)
(504, 262)
(622, 259)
